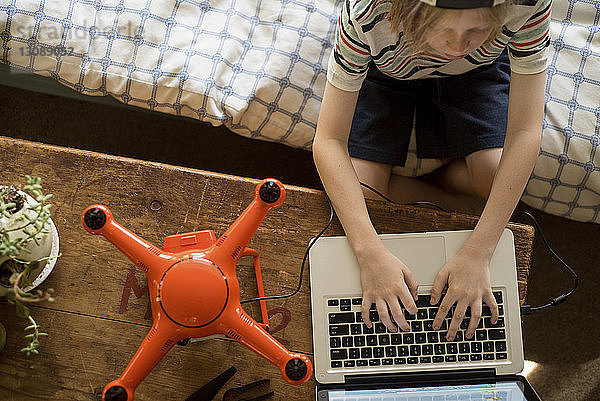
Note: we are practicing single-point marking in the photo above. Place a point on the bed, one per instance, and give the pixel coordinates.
(259, 68)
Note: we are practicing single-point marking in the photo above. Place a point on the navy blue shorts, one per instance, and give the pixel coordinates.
(455, 116)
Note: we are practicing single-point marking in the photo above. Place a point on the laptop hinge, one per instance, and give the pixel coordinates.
(435, 377)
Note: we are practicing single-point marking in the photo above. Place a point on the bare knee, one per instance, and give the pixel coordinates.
(481, 182)
(482, 167)
(375, 175)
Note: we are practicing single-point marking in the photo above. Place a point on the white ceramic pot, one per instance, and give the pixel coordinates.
(48, 246)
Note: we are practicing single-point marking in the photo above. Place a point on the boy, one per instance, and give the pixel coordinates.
(445, 63)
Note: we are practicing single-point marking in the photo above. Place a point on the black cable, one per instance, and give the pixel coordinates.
(527, 309)
(419, 203)
(331, 214)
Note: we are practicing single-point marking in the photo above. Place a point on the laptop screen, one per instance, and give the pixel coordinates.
(499, 391)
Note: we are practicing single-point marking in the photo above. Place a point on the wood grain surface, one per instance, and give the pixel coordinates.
(100, 315)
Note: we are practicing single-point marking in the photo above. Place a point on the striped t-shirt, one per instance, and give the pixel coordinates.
(364, 34)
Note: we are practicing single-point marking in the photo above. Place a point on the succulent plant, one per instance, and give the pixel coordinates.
(24, 229)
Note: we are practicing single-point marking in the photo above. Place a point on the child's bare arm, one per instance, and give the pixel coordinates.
(521, 150)
(467, 275)
(384, 277)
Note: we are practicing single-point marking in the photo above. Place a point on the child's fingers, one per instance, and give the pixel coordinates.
(366, 306)
(457, 318)
(398, 315)
(443, 311)
(384, 316)
(408, 301)
(475, 317)
(490, 301)
(438, 286)
(413, 286)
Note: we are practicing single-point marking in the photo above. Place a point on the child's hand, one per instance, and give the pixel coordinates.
(384, 279)
(468, 278)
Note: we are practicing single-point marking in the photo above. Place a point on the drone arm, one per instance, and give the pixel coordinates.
(98, 219)
(269, 194)
(295, 368)
(159, 340)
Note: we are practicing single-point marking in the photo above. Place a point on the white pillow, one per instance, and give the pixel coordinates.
(566, 177)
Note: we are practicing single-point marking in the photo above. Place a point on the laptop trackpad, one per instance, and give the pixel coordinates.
(424, 256)
(338, 269)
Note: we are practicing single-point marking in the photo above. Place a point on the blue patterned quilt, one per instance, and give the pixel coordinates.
(259, 68)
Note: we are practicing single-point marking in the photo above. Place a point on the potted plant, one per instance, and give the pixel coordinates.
(28, 252)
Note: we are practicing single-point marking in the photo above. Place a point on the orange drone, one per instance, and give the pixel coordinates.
(194, 290)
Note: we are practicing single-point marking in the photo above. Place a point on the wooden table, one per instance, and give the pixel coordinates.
(101, 312)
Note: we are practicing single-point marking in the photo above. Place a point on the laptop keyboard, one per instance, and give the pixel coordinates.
(353, 345)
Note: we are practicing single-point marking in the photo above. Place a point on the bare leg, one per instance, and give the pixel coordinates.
(472, 175)
(453, 178)
(482, 167)
(376, 175)
(413, 189)
(408, 189)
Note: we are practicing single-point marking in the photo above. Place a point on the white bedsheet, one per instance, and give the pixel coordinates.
(259, 68)
(566, 177)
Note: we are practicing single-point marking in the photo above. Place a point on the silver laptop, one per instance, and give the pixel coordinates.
(354, 363)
